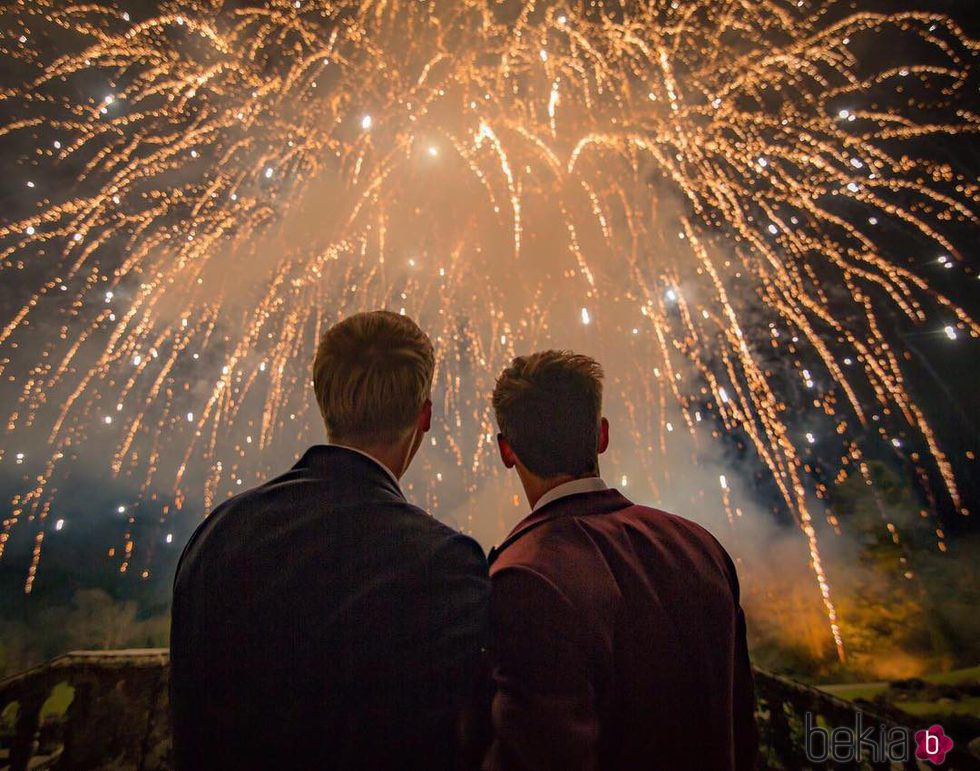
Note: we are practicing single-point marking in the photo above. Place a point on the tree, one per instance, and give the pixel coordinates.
(884, 604)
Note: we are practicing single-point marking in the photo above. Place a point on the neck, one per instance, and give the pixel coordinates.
(536, 487)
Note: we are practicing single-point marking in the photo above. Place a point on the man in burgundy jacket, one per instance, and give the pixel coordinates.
(617, 637)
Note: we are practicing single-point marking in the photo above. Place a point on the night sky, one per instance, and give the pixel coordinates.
(766, 230)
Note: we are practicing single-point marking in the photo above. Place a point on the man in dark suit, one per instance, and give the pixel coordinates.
(617, 638)
(320, 620)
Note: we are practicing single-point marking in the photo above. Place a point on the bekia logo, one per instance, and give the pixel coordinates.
(932, 745)
(877, 743)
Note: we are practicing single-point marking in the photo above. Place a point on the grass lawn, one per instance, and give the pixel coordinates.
(852, 691)
(967, 706)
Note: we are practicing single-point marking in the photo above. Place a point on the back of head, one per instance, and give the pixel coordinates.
(372, 375)
(548, 407)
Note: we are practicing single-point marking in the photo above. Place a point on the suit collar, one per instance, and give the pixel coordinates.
(572, 487)
(598, 502)
(333, 461)
(371, 458)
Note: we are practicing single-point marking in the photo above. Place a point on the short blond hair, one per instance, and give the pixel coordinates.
(372, 375)
(548, 407)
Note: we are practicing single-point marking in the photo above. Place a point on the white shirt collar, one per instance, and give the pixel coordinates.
(574, 487)
(372, 459)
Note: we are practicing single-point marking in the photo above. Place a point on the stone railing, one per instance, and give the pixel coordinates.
(781, 709)
(117, 718)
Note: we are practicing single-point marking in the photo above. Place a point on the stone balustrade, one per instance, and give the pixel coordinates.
(117, 718)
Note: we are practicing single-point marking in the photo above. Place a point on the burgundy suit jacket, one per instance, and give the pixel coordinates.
(617, 643)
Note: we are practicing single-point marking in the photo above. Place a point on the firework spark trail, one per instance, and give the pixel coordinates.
(658, 171)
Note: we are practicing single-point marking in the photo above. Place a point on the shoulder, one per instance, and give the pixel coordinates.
(545, 545)
(686, 535)
(690, 530)
(669, 526)
(453, 542)
(425, 540)
(569, 546)
(215, 535)
(253, 499)
(559, 564)
(674, 524)
(226, 510)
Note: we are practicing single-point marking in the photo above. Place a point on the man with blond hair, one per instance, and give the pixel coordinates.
(617, 639)
(320, 620)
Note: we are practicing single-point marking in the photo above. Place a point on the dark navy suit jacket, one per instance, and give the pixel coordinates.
(617, 643)
(322, 621)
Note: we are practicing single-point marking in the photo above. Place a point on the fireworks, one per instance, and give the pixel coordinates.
(692, 191)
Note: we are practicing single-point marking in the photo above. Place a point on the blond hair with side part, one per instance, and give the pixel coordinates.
(372, 374)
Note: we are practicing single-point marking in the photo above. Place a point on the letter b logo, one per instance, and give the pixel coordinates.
(817, 740)
(932, 745)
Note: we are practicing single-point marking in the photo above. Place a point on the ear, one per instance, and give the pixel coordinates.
(506, 452)
(603, 436)
(425, 417)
